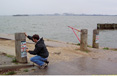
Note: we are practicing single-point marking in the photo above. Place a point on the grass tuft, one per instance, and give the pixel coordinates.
(25, 70)
(11, 56)
(14, 61)
(10, 73)
(106, 48)
(78, 44)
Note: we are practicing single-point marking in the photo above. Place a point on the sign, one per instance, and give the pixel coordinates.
(23, 49)
(97, 38)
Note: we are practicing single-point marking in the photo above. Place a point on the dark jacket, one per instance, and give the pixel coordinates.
(40, 48)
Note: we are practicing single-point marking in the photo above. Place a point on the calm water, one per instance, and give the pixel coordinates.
(56, 27)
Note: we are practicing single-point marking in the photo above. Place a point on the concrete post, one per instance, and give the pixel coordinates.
(83, 42)
(95, 43)
(20, 47)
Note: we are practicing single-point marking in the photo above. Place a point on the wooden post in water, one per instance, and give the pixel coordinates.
(20, 47)
(95, 43)
(83, 42)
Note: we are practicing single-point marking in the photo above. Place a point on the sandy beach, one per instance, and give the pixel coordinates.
(59, 51)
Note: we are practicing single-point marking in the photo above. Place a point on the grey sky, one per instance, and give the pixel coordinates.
(10, 7)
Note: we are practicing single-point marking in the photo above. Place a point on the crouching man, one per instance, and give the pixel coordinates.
(40, 51)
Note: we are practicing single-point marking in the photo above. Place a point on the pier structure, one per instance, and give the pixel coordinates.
(103, 26)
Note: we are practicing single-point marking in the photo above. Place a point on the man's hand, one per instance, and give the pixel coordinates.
(27, 50)
(25, 34)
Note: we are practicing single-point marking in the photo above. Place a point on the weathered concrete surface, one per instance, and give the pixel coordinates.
(10, 67)
(78, 66)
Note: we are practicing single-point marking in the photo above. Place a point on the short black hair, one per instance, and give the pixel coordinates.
(35, 36)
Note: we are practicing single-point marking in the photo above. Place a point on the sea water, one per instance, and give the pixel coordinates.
(56, 27)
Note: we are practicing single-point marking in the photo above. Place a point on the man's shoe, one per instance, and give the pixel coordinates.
(46, 61)
(44, 65)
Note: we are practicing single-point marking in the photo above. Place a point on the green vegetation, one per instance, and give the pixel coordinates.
(87, 45)
(106, 48)
(78, 44)
(11, 56)
(87, 51)
(5, 54)
(25, 70)
(10, 73)
(33, 69)
(114, 49)
(14, 61)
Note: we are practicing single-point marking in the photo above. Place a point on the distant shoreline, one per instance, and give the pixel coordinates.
(53, 15)
(64, 14)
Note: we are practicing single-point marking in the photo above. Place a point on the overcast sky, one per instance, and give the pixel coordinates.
(10, 7)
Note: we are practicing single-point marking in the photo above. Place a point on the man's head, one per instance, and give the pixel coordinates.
(35, 38)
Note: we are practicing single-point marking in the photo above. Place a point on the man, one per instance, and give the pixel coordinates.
(40, 51)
